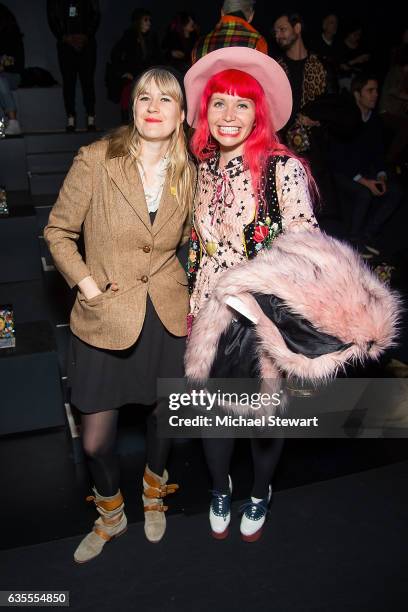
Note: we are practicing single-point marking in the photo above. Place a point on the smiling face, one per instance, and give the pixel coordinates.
(156, 114)
(230, 121)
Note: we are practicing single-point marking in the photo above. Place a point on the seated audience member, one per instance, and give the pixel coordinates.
(312, 86)
(358, 164)
(394, 107)
(136, 51)
(325, 44)
(11, 67)
(353, 57)
(233, 30)
(179, 42)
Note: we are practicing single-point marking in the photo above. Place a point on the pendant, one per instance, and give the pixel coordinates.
(211, 248)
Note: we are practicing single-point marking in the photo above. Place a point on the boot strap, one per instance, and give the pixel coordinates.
(102, 534)
(107, 504)
(161, 491)
(115, 520)
(156, 508)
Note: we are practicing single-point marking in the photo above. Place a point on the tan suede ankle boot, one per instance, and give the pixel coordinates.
(154, 489)
(111, 524)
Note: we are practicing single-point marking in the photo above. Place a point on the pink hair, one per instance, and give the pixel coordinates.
(262, 142)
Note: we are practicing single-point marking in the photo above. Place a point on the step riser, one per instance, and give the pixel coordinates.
(58, 142)
(46, 183)
(50, 162)
(13, 168)
(50, 154)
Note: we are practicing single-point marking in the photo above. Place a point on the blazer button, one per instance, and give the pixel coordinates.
(146, 248)
(144, 278)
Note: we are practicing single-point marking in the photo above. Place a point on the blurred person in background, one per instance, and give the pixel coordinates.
(74, 24)
(11, 67)
(316, 107)
(325, 44)
(359, 167)
(179, 41)
(353, 56)
(136, 51)
(233, 30)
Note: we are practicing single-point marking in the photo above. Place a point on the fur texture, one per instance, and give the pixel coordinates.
(319, 278)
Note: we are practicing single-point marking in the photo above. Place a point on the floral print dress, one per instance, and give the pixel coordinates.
(225, 207)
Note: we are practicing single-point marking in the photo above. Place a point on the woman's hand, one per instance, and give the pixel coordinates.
(89, 288)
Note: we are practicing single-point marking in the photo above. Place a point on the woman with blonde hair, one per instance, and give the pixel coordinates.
(131, 193)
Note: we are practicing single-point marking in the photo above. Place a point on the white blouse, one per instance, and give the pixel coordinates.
(153, 193)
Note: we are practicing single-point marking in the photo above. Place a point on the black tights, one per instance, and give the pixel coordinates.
(265, 456)
(99, 431)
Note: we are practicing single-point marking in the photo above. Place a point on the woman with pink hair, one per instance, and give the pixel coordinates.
(310, 305)
(250, 190)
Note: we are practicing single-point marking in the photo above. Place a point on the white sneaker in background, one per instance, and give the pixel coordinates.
(91, 127)
(13, 128)
(70, 127)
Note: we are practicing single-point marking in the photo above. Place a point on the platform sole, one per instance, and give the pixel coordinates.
(254, 537)
(220, 536)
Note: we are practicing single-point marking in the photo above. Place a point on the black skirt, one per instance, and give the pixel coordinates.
(102, 379)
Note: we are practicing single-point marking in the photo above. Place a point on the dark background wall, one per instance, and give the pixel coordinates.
(382, 24)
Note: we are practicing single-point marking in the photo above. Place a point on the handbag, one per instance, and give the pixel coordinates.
(297, 138)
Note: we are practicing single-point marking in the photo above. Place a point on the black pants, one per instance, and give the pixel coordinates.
(368, 213)
(78, 63)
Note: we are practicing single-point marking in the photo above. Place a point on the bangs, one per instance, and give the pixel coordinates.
(164, 80)
(234, 83)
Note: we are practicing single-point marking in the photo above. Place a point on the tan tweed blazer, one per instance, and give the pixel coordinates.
(104, 199)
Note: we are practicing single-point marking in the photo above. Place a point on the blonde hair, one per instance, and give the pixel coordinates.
(126, 140)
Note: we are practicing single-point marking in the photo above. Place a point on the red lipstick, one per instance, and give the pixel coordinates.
(152, 120)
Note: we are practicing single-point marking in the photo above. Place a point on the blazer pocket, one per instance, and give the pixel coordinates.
(95, 300)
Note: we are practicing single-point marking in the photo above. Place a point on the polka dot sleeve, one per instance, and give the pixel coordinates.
(294, 197)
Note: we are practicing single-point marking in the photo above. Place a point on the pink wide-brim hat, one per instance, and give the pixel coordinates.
(263, 68)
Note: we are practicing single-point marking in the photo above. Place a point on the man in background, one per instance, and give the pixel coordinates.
(233, 30)
(358, 163)
(315, 109)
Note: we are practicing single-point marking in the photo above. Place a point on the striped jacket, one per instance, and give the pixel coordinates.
(231, 31)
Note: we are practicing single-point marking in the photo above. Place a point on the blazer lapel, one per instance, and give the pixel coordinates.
(124, 173)
(167, 207)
